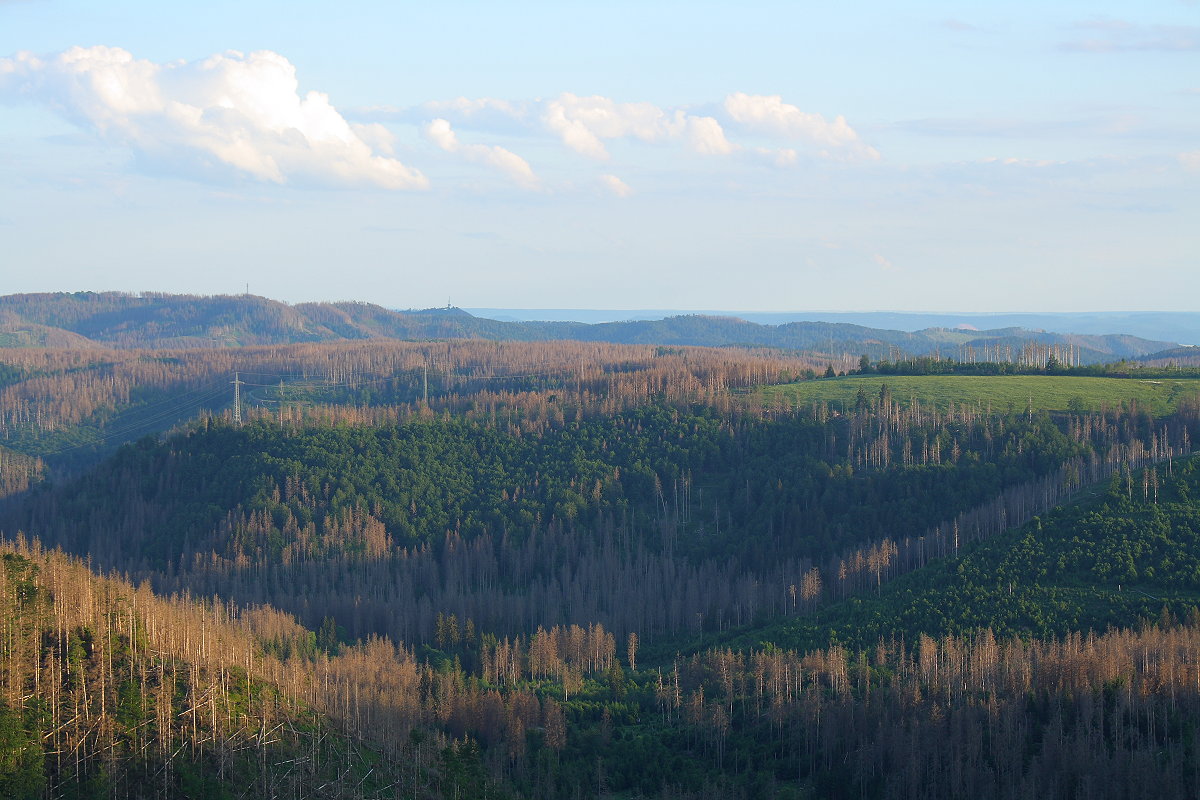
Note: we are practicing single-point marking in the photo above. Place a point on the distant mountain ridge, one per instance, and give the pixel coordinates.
(165, 321)
(1171, 326)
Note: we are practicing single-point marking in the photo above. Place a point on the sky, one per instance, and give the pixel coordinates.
(758, 156)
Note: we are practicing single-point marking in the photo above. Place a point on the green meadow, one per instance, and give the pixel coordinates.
(999, 392)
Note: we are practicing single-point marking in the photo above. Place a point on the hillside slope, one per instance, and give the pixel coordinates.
(1125, 552)
(1061, 659)
(109, 691)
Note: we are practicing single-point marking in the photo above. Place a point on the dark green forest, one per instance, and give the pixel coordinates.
(709, 520)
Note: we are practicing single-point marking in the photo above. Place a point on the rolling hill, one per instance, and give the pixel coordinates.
(160, 321)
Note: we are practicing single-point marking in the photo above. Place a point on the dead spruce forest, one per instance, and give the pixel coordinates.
(258, 551)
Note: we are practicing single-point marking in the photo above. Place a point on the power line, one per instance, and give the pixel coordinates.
(314, 382)
(174, 405)
(99, 438)
(237, 400)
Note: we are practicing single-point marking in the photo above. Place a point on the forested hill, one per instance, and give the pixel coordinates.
(516, 569)
(1128, 551)
(109, 691)
(664, 514)
(114, 319)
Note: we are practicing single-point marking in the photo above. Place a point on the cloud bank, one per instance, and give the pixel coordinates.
(236, 114)
(586, 125)
(768, 114)
(584, 122)
(229, 112)
(441, 134)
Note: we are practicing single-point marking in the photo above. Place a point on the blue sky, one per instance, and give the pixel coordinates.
(768, 156)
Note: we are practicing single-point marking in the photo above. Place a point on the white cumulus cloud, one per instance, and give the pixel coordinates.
(440, 133)
(769, 115)
(587, 124)
(584, 122)
(615, 185)
(230, 111)
(705, 135)
(1190, 160)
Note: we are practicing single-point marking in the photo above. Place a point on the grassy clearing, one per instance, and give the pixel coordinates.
(1001, 393)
